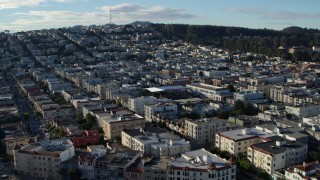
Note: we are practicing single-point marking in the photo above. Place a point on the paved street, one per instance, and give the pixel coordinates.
(25, 106)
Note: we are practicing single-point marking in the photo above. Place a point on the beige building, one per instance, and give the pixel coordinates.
(204, 130)
(237, 141)
(277, 154)
(42, 160)
(113, 123)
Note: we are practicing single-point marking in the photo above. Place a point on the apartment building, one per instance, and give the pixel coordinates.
(213, 92)
(42, 159)
(154, 143)
(305, 171)
(201, 164)
(277, 154)
(137, 104)
(163, 110)
(114, 122)
(254, 97)
(204, 130)
(302, 111)
(237, 141)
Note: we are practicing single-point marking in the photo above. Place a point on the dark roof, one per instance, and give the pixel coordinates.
(272, 148)
(133, 132)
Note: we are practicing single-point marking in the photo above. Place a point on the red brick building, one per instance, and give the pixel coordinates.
(84, 138)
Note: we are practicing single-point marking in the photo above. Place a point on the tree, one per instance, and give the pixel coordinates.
(201, 74)
(263, 174)
(194, 115)
(239, 107)
(231, 88)
(26, 116)
(223, 115)
(74, 173)
(117, 139)
(314, 156)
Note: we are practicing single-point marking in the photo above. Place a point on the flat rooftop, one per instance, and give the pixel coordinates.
(198, 159)
(239, 134)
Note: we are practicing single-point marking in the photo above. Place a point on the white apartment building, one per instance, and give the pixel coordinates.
(137, 104)
(155, 144)
(237, 141)
(305, 171)
(254, 97)
(201, 164)
(42, 159)
(204, 130)
(277, 154)
(304, 110)
(164, 110)
(210, 91)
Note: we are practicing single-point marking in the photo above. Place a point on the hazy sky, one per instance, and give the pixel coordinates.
(21, 15)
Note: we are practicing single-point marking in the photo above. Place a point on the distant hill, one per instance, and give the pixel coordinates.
(265, 41)
(141, 23)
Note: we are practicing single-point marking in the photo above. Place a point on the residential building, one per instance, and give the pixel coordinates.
(254, 97)
(277, 154)
(213, 92)
(305, 110)
(137, 104)
(115, 163)
(161, 110)
(237, 141)
(204, 130)
(42, 159)
(305, 171)
(114, 122)
(201, 164)
(155, 143)
(84, 137)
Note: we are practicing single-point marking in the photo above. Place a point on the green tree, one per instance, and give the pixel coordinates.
(239, 107)
(26, 116)
(231, 88)
(264, 175)
(74, 173)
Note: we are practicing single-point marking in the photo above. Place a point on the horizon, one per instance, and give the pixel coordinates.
(253, 14)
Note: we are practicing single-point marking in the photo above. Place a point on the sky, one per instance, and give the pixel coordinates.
(24, 15)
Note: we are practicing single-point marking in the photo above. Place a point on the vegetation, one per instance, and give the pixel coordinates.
(313, 156)
(263, 41)
(88, 122)
(73, 173)
(58, 98)
(56, 132)
(241, 108)
(223, 154)
(26, 116)
(244, 163)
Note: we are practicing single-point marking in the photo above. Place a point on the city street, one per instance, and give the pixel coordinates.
(25, 106)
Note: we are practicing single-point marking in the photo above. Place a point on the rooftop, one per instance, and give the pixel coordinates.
(240, 134)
